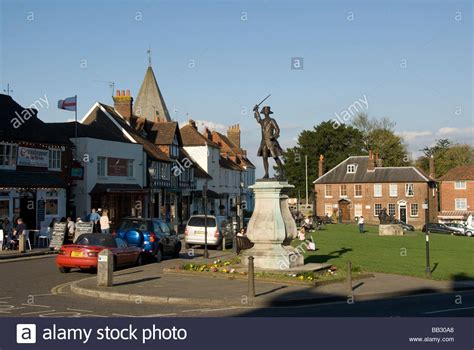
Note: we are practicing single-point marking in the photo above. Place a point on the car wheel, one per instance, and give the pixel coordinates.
(63, 269)
(469, 233)
(159, 255)
(139, 261)
(177, 250)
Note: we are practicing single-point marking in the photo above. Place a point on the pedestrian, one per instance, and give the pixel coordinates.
(19, 230)
(242, 232)
(7, 232)
(71, 227)
(361, 224)
(94, 218)
(105, 222)
(302, 234)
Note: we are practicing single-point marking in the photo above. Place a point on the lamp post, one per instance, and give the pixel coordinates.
(204, 196)
(152, 173)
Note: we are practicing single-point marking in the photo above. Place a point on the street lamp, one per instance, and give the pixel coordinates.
(427, 240)
(152, 173)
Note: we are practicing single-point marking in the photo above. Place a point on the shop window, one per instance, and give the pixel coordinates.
(51, 206)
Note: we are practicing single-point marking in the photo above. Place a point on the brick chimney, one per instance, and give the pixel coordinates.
(371, 162)
(432, 174)
(233, 133)
(207, 133)
(123, 104)
(321, 166)
(192, 123)
(378, 161)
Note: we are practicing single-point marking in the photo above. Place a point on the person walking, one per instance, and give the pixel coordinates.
(94, 218)
(71, 228)
(7, 233)
(105, 222)
(361, 224)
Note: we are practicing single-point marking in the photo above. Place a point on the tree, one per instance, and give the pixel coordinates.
(379, 136)
(446, 155)
(335, 143)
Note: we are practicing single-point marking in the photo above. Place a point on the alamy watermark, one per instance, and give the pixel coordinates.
(354, 109)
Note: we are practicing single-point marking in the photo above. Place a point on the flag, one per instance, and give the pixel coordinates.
(69, 103)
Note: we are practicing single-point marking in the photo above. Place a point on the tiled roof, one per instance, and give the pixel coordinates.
(454, 214)
(165, 132)
(228, 164)
(463, 172)
(339, 174)
(237, 151)
(31, 129)
(192, 137)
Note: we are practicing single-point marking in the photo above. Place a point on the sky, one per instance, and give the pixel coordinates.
(411, 61)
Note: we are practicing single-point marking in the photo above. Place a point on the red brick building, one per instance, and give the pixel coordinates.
(456, 189)
(360, 186)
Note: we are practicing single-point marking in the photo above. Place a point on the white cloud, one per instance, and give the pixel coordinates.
(455, 131)
(412, 135)
(201, 124)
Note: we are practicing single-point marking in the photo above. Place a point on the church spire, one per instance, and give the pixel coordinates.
(150, 103)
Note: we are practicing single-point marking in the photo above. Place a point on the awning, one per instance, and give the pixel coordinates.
(210, 194)
(117, 188)
(454, 214)
(30, 179)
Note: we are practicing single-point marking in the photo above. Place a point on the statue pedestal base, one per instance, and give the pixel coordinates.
(391, 230)
(269, 227)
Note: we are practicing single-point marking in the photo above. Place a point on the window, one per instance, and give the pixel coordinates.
(358, 210)
(409, 190)
(164, 171)
(460, 185)
(377, 190)
(351, 168)
(393, 190)
(51, 206)
(328, 209)
(54, 159)
(460, 204)
(343, 191)
(414, 209)
(101, 166)
(8, 154)
(357, 190)
(328, 191)
(377, 209)
(391, 209)
(130, 168)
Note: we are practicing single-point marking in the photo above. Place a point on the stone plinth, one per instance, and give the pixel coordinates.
(270, 226)
(390, 230)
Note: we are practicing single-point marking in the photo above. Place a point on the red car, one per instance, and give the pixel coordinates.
(84, 253)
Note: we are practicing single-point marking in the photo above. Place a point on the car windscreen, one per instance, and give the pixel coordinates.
(98, 240)
(135, 224)
(199, 221)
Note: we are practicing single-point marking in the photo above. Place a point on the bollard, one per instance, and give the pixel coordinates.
(22, 243)
(105, 269)
(349, 278)
(251, 278)
(223, 243)
(427, 250)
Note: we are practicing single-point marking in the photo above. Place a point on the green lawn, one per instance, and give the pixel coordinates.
(452, 257)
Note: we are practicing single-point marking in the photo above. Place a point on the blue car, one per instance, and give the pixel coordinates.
(155, 237)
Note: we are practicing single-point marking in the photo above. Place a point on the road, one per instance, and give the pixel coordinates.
(35, 288)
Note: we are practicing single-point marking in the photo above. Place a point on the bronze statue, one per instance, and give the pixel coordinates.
(269, 145)
(384, 217)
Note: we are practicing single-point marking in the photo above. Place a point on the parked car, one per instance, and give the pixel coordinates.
(84, 253)
(438, 228)
(218, 227)
(155, 237)
(406, 227)
(460, 228)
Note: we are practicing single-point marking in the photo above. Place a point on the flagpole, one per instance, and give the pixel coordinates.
(75, 129)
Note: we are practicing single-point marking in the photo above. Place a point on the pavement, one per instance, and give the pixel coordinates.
(151, 284)
(15, 254)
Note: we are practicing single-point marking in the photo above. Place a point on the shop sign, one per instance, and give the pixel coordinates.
(117, 167)
(33, 157)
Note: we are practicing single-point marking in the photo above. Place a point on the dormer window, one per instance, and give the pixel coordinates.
(351, 168)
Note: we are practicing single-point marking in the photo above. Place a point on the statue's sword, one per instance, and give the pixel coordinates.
(258, 105)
